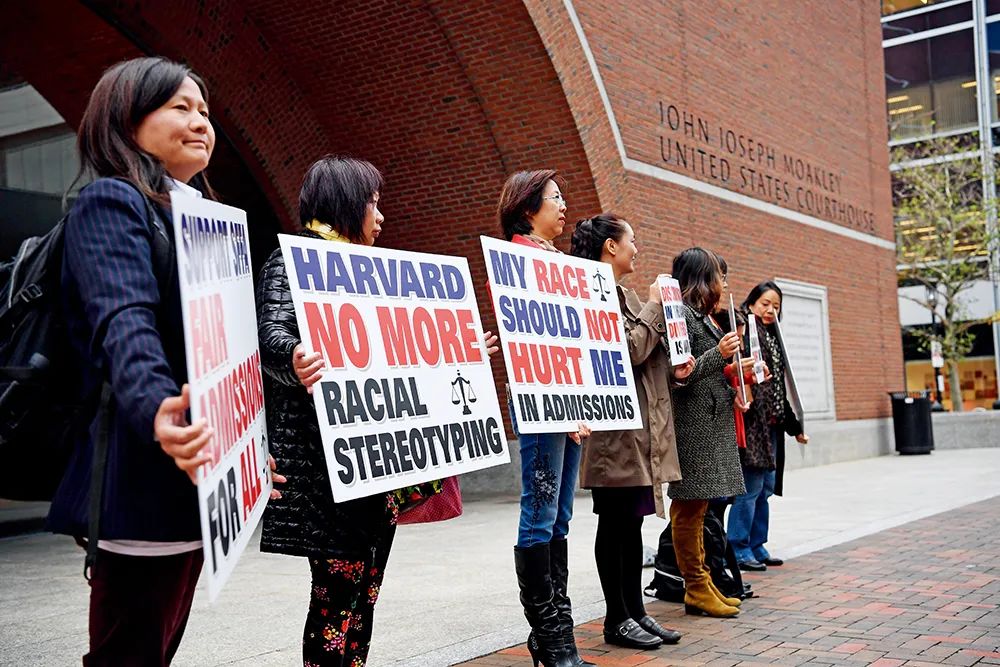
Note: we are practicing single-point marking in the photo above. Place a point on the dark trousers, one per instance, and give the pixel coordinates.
(139, 607)
(338, 629)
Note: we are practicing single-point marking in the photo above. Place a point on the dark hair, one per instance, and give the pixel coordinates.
(336, 190)
(522, 196)
(697, 270)
(590, 235)
(758, 292)
(121, 100)
(723, 265)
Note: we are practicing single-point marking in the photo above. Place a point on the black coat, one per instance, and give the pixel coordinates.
(305, 521)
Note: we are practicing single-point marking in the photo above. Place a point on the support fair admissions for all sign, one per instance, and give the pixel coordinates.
(407, 394)
(224, 374)
(563, 340)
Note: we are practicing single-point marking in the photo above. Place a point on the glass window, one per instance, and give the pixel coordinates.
(992, 6)
(927, 21)
(993, 46)
(931, 86)
(42, 161)
(896, 6)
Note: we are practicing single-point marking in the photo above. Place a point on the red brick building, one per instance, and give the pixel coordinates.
(756, 129)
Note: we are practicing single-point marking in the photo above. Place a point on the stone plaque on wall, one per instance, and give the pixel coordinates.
(805, 324)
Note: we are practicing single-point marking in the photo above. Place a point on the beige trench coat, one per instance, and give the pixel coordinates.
(646, 456)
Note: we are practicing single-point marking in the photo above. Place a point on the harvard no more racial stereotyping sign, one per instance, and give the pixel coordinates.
(224, 374)
(563, 340)
(407, 394)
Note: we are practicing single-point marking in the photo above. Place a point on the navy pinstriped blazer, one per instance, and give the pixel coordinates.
(127, 329)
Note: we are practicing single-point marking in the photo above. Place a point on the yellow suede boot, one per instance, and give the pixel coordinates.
(686, 520)
(732, 602)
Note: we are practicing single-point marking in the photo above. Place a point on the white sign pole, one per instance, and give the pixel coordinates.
(224, 374)
(739, 358)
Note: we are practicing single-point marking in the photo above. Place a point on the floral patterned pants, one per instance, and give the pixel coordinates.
(338, 628)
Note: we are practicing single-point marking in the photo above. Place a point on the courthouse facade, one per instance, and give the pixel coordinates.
(755, 129)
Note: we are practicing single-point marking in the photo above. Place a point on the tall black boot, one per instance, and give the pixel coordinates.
(545, 642)
(558, 557)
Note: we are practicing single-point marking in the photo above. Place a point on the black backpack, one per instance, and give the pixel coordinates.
(668, 584)
(43, 404)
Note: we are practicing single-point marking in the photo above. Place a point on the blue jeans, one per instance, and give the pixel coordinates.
(550, 463)
(749, 517)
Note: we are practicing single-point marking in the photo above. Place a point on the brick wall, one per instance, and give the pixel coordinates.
(447, 97)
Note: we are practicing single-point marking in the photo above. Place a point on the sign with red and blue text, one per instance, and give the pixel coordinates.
(563, 340)
(224, 375)
(407, 394)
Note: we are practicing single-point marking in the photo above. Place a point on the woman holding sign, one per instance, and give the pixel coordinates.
(532, 212)
(347, 543)
(706, 430)
(767, 421)
(145, 132)
(626, 470)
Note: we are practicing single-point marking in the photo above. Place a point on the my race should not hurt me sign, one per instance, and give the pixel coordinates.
(224, 374)
(407, 394)
(563, 340)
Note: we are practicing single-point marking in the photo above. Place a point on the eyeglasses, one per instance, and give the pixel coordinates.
(557, 197)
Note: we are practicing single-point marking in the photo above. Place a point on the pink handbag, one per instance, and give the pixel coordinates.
(439, 507)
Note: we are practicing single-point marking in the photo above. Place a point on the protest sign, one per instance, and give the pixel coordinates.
(223, 364)
(407, 394)
(673, 316)
(791, 387)
(563, 340)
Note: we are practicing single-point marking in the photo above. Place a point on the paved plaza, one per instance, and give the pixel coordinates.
(894, 557)
(926, 593)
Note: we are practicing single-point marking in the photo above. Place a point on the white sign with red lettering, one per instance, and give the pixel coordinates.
(407, 394)
(563, 340)
(673, 316)
(224, 374)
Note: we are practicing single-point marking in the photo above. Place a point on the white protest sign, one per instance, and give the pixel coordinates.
(563, 340)
(673, 315)
(407, 394)
(224, 374)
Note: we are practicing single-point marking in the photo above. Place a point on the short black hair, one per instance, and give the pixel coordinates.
(522, 196)
(758, 291)
(336, 190)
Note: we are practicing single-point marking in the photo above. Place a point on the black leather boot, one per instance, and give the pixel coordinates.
(558, 557)
(545, 643)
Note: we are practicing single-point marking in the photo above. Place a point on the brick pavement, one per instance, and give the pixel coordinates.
(925, 593)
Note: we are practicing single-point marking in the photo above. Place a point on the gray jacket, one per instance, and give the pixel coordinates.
(704, 422)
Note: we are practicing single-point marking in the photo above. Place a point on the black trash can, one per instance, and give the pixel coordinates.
(911, 422)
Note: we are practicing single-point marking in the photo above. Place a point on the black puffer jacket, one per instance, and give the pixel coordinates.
(305, 521)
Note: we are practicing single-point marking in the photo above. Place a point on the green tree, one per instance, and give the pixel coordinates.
(942, 241)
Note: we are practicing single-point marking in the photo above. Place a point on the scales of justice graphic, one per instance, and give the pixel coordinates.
(601, 289)
(462, 392)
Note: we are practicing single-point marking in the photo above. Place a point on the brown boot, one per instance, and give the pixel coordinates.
(687, 521)
(732, 602)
